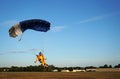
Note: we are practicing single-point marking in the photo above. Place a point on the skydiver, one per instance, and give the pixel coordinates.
(41, 59)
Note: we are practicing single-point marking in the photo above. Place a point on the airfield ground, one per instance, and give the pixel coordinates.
(59, 75)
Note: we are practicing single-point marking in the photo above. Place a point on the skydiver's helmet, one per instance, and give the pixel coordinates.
(40, 53)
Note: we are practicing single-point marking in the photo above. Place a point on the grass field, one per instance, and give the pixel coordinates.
(59, 75)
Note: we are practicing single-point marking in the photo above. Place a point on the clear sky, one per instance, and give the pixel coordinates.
(83, 32)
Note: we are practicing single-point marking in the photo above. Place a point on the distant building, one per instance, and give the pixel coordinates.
(55, 70)
(78, 70)
(65, 71)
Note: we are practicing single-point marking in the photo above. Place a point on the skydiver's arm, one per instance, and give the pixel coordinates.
(36, 60)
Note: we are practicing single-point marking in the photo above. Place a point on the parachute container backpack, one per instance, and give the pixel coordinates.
(33, 24)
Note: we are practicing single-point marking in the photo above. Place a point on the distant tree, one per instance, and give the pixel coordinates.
(4, 69)
(110, 66)
(58, 68)
(117, 66)
(106, 66)
(70, 68)
(14, 69)
(50, 68)
(90, 67)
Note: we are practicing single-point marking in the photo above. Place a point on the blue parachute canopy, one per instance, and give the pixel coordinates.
(34, 24)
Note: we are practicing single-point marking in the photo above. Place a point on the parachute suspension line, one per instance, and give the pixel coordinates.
(43, 41)
(20, 38)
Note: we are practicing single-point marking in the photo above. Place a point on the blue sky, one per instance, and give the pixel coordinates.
(83, 32)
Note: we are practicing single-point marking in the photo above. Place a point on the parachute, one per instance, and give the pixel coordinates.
(34, 24)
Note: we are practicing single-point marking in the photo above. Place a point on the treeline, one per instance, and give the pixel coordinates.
(39, 68)
(50, 68)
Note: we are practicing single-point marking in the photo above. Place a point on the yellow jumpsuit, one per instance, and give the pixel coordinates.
(41, 59)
